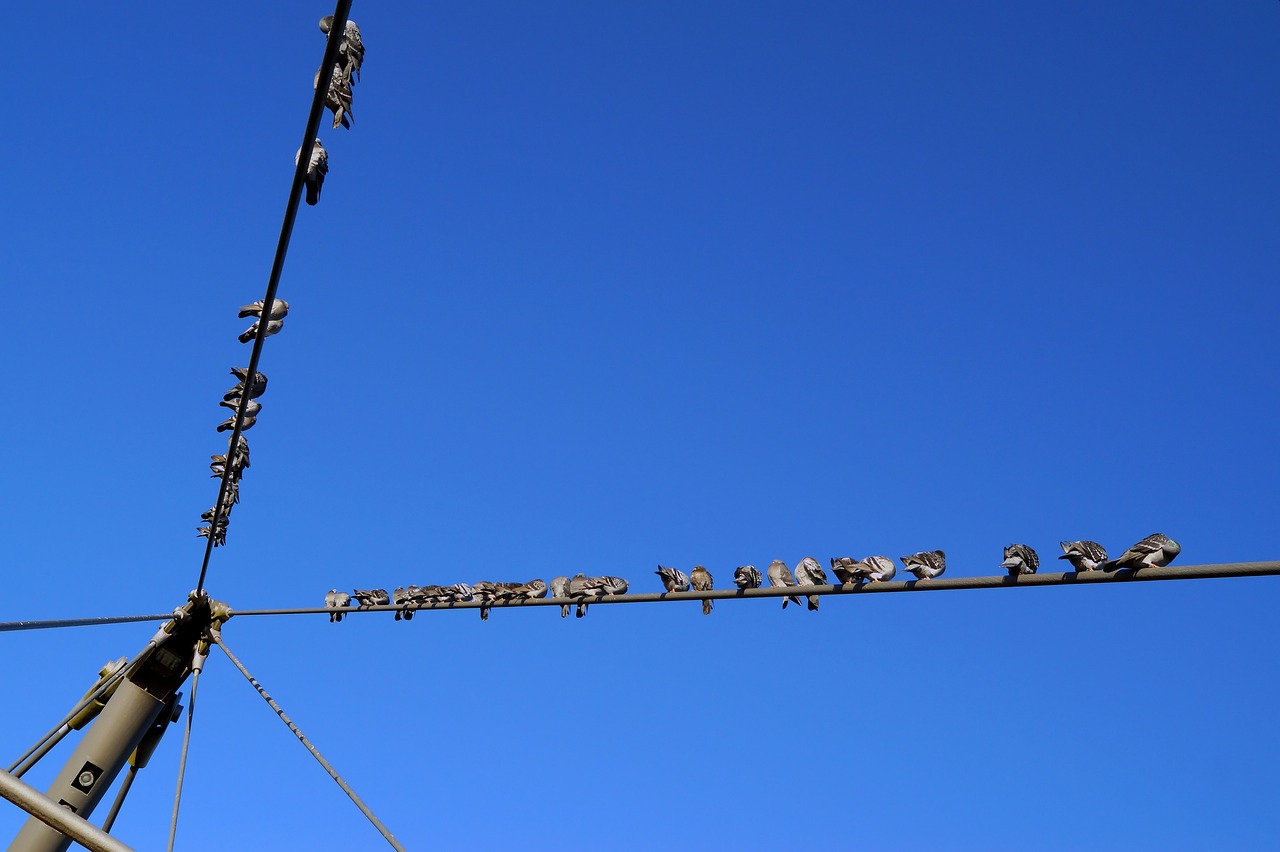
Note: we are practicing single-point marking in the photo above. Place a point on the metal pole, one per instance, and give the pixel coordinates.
(93, 765)
(116, 805)
(30, 800)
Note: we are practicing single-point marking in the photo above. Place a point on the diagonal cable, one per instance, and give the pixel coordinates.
(197, 666)
(333, 773)
(336, 33)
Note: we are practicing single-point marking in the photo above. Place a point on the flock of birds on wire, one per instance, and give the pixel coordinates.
(1156, 550)
(249, 388)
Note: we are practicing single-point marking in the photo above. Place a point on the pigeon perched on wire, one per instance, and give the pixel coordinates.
(810, 573)
(230, 424)
(456, 593)
(1083, 555)
(219, 533)
(1154, 551)
(279, 310)
(371, 597)
(351, 50)
(926, 564)
(560, 589)
(317, 168)
(673, 579)
(484, 592)
(1020, 559)
(747, 577)
(579, 587)
(780, 575)
(240, 463)
(876, 569)
(406, 599)
(338, 97)
(335, 599)
(524, 591)
(701, 580)
(251, 407)
(257, 389)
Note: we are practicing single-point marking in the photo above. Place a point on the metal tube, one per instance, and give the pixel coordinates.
(1069, 578)
(6, 626)
(336, 34)
(94, 764)
(48, 812)
(131, 774)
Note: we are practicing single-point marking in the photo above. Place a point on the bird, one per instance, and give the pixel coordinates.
(846, 569)
(230, 423)
(251, 408)
(560, 589)
(456, 592)
(273, 327)
(876, 569)
(371, 597)
(1156, 550)
(1083, 555)
(578, 588)
(1020, 559)
(279, 310)
(351, 51)
(219, 533)
(401, 597)
(525, 591)
(338, 97)
(701, 579)
(673, 579)
(780, 575)
(926, 564)
(608, 585)
(810, 573)
(747, 577)
(335, 599)
(256, 389)
(317, 168)
(484, 592)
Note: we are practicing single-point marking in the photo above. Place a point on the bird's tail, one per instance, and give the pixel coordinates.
(813, 603)
(484, 613)
(706, 606)
(582, 610)
(564, 610)
(313, 196)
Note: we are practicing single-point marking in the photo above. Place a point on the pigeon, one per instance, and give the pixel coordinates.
(876, 569)
(335, 599)
(926, 564)
(701, 579)
(338, 98)
(1020, 559)
(251, 408)
(484, 592)
(219, 533)
(351, 51)
(1156, 550)
(279, 310)
(810, 573)
(525, 591)
(230, 423)
(560, 589)
(673, 579)
(317, 168)
(371, 597)
(258, 388)
(273, 326)
(608, 585)
(846, 569)
(578, 588)
(780, 575)
(747, 577)
(457, 592)
(1083, 555)
(402, 597)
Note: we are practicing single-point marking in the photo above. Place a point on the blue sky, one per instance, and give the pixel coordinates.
(595, 287)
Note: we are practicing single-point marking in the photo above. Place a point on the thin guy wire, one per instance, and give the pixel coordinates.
(333, 42)
(1068, 578)
(182, 761)
(127, 783)
(364, 809)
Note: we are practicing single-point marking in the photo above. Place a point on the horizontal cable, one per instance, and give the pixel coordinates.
(6, 626)
(1068, 578)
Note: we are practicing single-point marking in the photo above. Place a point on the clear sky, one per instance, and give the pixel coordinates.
(594, 286)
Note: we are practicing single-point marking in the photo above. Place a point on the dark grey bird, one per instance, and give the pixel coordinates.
(1083, 555)
(351, 51)
(673, 579)
(371, 597)
(780, 575)
(257, 389)
(1020, 559)
(701, 580)
(747, 577)
(560, 589)
(230, 423)
(317, 168)
(926, 564)
(251, 407)
(338, 98)
(335, 599)
(279, 310)
(1154, 551)
(273, 327)
(810, 573)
